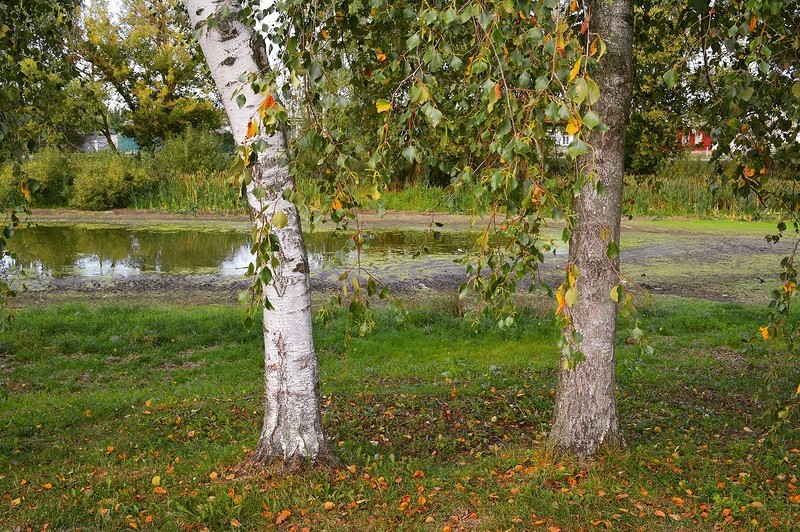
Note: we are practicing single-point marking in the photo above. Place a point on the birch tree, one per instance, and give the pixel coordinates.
(292, 426)
(586, 416)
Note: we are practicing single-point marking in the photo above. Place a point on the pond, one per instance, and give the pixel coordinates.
(63, 251)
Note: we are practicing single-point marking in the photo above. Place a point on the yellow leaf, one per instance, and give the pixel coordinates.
(382, 105)
(156, 480)
(764, 332)
(560, 300)
(593, 46)
(575, 69)
(283, 516)
(324, 34)
(798, 389)
(48, 486)
(573, 126)
(213, 475)
(329, 505)
(16, 501)
(573, 6)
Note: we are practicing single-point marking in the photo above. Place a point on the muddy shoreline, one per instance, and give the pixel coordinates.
(721, 261)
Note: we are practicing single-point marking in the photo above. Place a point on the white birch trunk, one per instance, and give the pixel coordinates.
(586, 416)
(292, 418)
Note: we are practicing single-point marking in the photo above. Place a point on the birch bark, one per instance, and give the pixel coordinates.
(586, 416)
(292, 426)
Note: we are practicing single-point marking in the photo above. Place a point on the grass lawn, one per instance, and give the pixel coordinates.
(120, 416)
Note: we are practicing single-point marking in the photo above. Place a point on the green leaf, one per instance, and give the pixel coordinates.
(279, 220)
(571, 296)
(746, 93)
(796, 90)
(241, 100)
(433, 115)
(612, 251)
(591, 120)
(413, 41)
(410, 153)
(670, 77)
(579, 91)
(577, 148)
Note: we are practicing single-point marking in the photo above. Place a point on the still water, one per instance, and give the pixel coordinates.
(62, 251)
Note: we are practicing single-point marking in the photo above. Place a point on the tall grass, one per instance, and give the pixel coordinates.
(688, 188)
(193, 193)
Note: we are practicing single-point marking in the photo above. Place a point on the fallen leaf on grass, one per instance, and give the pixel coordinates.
(659, 513)
(235, 523)
(283, 516)
(329, 505)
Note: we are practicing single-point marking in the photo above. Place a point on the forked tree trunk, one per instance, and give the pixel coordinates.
(292, 419)
(586, 417)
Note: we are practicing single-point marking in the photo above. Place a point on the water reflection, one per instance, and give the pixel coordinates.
(62, 251)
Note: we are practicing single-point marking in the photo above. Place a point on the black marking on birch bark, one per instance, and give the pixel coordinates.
(228, 61)
(199, 12)
(227, 30)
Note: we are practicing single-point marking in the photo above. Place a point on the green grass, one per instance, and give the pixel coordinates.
(192, 193)
(440, 425)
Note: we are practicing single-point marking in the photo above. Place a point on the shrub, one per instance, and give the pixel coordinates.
(107, 180)
(193, 152)
(52, 169)
(9, 187)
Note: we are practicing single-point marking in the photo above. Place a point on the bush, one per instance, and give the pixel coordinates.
(9, 187)
(193, 152)
(107, 180)
(52, 169)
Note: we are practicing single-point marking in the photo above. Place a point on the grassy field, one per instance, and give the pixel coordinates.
(139, 417)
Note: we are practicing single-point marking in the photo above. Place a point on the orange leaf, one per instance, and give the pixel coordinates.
(497, 91)
(749, 172)
(235, 523)
(159, 490)
(419, 473)
(268, 102)
(659, 513)
(573, 6)
(764, 332)
(381, 57)
(329, 505)
(252, 129)
(753, 21)
(283, 516)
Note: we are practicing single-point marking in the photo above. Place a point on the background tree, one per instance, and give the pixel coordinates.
(150, 63)
(292, 427)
